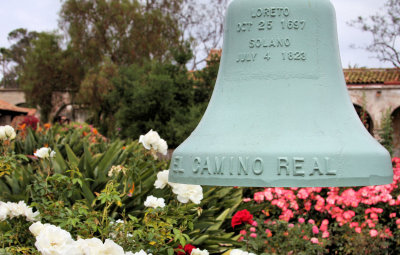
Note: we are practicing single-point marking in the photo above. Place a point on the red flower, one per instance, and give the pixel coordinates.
(188, 249)
(241, 217)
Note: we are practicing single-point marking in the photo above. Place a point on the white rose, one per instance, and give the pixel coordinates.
(197, 251)
(92, 246)
(2, 133)
(162, 179)
(44, 153)
(188, 192)
(54, 240)
(149, 140)
(111, 248)
(37, 227)
(240, 252)
(162, 147)
(4, 211)
(10, 132)
(30, 215)
(154, 202)
(16, 210)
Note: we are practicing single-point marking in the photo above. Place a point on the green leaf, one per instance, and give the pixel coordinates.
(220, 220)
(59, 163)
(72, 158)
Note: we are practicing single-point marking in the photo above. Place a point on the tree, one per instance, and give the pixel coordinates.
(125, 31)
(47, 68)
(94, 92)
(130, 31)
(205, 79)
(155, 96)
(385, 29)
(13, 59)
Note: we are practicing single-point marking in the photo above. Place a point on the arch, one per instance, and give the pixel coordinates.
(366, 119)
(396, 131)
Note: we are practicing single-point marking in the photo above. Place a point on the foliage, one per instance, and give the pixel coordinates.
(385, 30)
(268, 236)
(76, 191)
(162, 96)
(45, 71)
(30, 121)
(126, 31)
(205, 80)
(386, 130)
(14, 237)
(94, 91)
(361, 220)
(13, 59)
(154, 96)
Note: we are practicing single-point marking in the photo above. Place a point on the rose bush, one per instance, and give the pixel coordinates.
(91, 190)
(362, 220)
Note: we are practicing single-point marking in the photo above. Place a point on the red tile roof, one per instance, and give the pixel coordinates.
(10, 107)
(364, 76)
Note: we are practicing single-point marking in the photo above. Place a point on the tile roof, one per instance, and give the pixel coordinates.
(364, 76)
(12, 108)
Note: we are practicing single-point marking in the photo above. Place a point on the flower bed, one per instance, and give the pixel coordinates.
(89, 195)
(359, 220)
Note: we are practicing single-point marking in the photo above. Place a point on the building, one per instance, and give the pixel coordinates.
(378, 91)
(8, 112)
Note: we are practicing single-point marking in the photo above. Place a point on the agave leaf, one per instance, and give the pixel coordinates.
(107, 160)
(72, 158)
(220, 220)
(59, 164)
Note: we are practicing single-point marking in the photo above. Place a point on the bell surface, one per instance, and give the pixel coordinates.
(280, 114)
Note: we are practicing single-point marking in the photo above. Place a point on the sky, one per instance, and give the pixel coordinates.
(42, 15)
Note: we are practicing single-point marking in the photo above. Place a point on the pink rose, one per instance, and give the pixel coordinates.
(373, 232)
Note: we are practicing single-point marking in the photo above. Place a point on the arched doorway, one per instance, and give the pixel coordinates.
(396, 132)
(365, 119)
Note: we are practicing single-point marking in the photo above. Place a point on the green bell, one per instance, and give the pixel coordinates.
(280, 114)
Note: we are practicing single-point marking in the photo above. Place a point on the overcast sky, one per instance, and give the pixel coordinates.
(42, 15)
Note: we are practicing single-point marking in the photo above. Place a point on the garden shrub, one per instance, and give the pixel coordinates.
(95, 188)
(359, 220)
